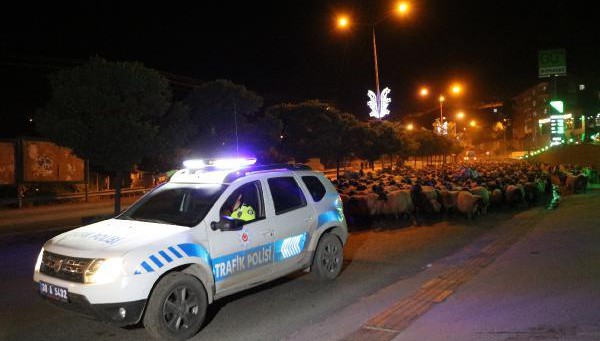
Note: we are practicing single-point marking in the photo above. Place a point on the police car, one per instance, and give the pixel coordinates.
(216, 228)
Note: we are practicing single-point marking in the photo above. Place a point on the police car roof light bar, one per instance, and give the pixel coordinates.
(219, 163)
(194, 164)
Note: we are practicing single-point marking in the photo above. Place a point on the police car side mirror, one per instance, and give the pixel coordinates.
(227, 224)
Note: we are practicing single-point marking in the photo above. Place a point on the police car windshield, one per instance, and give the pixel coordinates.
(176, 204)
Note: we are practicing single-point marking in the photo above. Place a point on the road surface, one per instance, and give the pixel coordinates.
(384, 264)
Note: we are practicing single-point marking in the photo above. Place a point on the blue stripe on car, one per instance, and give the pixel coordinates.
(156, 261)
(147, 267)
(165, 256)
(195, 250)
(175, 252)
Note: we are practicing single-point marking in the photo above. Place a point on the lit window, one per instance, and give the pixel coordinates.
(581, 86)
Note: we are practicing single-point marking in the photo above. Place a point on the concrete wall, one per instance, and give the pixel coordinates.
(582, 154)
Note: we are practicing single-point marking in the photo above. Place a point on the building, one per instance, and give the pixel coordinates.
(549, 113)
(529, 106)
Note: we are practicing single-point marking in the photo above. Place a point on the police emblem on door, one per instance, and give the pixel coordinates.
(244, 238)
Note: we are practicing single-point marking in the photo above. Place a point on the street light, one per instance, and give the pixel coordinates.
(472, 123)
(441, 99)
(343, 23)
(459, 116)
(455, 89)
(403, 7)
(410, 126)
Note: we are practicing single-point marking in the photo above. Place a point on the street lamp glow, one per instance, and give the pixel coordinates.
(410, 126)
(424, 92)
(403, 7)
(460, 115)
(442, 98)
(456, 89)
(343, 22)
(472, 123)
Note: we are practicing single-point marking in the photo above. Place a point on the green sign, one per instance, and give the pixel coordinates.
(552, 63)
(558, 106)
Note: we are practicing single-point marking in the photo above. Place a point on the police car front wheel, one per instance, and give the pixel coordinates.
(177, 307)
(327, 262)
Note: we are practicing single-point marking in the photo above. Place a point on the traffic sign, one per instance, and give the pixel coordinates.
(552, 63)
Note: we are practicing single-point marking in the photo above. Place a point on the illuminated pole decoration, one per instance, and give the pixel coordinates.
(379, 104)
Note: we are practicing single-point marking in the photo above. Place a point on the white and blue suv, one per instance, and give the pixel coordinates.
(216, 228)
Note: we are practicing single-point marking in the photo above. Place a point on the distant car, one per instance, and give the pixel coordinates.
(182, 246)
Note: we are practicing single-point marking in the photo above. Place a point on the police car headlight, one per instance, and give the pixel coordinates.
(38, 262)
(104, 270)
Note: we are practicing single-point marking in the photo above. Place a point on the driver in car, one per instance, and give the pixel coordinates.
(242, 211)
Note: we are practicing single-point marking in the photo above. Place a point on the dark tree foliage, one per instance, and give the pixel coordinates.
(111, 114)
(315, 129)
(176, 129)
(217, 108)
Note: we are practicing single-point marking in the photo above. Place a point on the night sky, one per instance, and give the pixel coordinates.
(289, 51)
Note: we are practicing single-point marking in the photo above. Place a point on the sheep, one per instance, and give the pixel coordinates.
(485, 196)
(497, 197)
(469, 204)
(514, 195)
(531, 193)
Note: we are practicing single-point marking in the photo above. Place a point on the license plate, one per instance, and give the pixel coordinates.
(54, 291)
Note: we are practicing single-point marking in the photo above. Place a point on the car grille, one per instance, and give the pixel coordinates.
(64, 267)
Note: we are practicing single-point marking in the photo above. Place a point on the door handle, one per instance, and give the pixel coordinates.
(268, 233)
(309, 219)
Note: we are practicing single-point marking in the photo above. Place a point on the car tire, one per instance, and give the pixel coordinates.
(177, 307)
(328, 259)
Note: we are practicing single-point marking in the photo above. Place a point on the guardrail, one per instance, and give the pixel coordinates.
(94, 194)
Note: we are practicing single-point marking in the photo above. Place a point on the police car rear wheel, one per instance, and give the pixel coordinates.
(328, 259)
(177, 307)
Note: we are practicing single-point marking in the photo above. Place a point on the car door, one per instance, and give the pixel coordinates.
(241, 258)
(292, 216)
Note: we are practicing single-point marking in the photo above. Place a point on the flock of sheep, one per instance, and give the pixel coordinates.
(466, 189)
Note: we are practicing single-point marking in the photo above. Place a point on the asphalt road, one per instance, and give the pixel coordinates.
(375, 258)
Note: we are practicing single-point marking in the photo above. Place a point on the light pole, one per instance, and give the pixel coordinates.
(376, 66)
(459, 117)
(442, 99)
(455, 89)
(377, 104)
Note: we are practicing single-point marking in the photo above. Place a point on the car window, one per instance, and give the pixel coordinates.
(315, 187)
(175, 204)
(286, 194)
(245, 203)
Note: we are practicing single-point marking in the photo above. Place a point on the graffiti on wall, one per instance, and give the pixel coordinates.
(7, 163)
(45, 161)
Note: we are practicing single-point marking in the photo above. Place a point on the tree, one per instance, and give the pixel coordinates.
(108, 113)
(263, 135)
(315, 129)
(176, 130)
(337, 138)
(366, 149)
(218, 109)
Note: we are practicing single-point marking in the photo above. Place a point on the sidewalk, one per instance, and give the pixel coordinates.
(545, 287)
(55, 216)
(533, 277)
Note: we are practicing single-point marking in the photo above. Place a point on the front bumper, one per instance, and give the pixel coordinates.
(106, 312)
